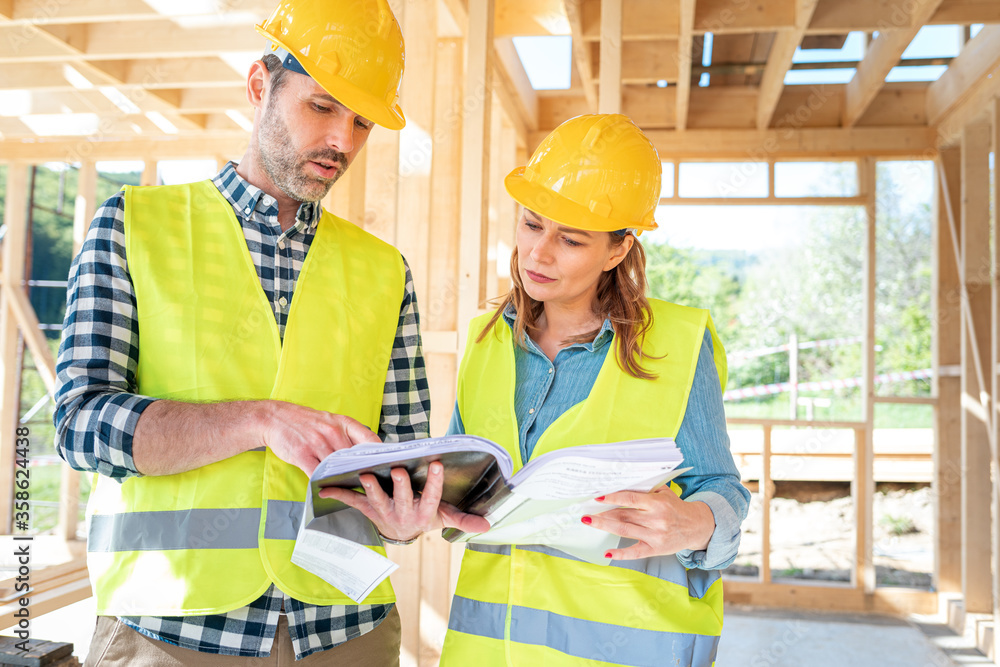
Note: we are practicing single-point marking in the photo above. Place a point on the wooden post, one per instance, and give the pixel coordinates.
(975, 264)
(609, 98)
(506, 207)
(475, 163)
(346, 199)
(994, 380)
(496, 194)
(86, 203)
(416, 148)
(439, 311)
(149, 174)
(16, 219)
(440, 317)
(863, 485)
(685, 42)
(793, 376)
(947, 385)
(766, 491)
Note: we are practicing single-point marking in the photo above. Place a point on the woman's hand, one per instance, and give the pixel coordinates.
(403, 516)
(661, 522)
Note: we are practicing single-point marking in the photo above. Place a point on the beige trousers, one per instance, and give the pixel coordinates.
(115, 643)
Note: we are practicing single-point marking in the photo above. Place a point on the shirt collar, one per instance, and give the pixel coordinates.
(246, 197)
(603, 337)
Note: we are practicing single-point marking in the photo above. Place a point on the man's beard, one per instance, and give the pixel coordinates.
(284, 167)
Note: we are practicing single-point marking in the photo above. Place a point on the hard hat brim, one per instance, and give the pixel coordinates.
(557, 208)
(352, 97)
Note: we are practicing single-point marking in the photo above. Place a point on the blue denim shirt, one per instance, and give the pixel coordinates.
(546, 389)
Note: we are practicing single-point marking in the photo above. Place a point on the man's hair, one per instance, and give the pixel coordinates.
(276, 70)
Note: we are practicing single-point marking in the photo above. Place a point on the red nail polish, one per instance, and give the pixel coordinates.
(587, 520)
(607, 555)
(599, 498)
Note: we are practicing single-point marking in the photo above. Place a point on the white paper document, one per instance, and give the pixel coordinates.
(541, 504)
(353, 568)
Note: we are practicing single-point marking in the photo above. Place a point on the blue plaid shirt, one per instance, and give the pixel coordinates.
(97, 408)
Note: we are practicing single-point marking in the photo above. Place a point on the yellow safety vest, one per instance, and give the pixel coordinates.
(534, 605)
(214, 539)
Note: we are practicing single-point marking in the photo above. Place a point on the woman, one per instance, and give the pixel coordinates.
(575, 355)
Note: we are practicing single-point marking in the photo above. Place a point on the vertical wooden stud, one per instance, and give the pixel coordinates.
(947, 386)
(863, 485)
(609, 96)
(16, 219)
(475, 162)
(975, 263)
(86, 203)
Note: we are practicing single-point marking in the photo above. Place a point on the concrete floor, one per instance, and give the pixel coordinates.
(779, 638)
(752, 638)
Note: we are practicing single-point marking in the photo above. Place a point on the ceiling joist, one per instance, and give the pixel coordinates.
(883, 54)
(779, 61)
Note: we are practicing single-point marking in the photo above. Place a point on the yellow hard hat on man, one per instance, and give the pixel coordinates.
(352, 48)
(597, 172)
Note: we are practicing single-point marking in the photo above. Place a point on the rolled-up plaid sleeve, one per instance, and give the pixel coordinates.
(96, 405)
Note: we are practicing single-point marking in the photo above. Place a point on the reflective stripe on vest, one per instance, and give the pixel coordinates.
(538, 605)
(214, 539)
(602, 642)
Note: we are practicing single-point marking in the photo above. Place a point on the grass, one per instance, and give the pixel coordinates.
(898, 525)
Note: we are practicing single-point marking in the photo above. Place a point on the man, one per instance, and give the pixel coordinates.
(203, 396)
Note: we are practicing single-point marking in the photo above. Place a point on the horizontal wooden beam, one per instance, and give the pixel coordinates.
(125, 41)
(727, 17)
(52, 588)
(754, 145)
(769, 201)
(641, 19)
(735, 107)
(843, 16)
(33, 12)
(133, 101)
(513, 17)
(966, 12)
(831, 597)
(72, 149)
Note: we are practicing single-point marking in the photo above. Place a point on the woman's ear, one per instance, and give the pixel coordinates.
(619, 252)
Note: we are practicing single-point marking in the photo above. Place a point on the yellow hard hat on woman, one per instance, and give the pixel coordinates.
(596, 172)
(352, 48)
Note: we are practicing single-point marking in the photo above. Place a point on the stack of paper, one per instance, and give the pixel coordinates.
(541, 504)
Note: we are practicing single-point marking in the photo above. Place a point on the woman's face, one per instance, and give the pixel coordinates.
(562, 265)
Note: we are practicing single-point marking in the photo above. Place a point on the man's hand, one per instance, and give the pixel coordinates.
(403, 516)
(173, 436)
(303, 437)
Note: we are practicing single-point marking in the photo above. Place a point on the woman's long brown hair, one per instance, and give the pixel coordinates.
(621, 298)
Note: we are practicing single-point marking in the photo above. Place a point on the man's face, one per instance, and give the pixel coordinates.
(306, 139)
